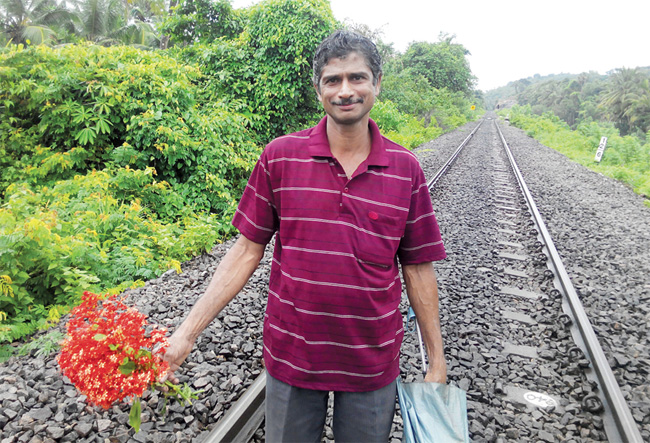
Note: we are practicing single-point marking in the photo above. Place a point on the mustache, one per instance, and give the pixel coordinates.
(348, 101)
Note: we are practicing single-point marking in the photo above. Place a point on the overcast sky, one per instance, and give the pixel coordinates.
(513, 39)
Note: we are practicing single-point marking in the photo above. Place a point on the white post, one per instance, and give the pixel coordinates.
(601, 148)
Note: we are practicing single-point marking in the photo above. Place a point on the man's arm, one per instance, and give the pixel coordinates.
(231, 275)
(422, 291)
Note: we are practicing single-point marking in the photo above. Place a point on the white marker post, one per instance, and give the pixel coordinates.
(601, 148)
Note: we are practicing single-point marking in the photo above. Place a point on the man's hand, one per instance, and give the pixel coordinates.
(178, 350)
(437, 372)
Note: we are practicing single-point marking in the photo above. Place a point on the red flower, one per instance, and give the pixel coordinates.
(111, 352)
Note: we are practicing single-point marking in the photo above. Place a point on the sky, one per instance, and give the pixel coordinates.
(509, 40)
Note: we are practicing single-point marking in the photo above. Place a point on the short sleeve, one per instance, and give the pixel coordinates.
(256, 216)
(421, 241)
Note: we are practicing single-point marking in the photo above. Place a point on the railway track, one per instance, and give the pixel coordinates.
(528, 277)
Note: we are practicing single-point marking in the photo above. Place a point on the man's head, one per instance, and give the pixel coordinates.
(341, 43)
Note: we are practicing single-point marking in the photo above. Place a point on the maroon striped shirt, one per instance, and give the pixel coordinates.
(332, 320)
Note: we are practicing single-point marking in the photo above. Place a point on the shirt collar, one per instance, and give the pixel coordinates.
(319, 145)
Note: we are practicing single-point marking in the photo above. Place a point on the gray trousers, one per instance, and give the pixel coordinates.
(298, 415)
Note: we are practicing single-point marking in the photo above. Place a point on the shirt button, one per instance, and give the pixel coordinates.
(340, 204)
(346, 189)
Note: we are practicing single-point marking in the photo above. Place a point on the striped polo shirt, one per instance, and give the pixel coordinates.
(332, 320)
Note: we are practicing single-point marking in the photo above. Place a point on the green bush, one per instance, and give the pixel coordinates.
(412, 94)
(387, 116)
(403, 129)
(112, 170)
(201, 21)
(625, 158)
(78, 236)
(79, 108)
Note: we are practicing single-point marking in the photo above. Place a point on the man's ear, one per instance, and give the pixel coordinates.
(317, 89)
(378, 85)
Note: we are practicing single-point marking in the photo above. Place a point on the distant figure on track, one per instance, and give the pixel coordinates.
(345, 204)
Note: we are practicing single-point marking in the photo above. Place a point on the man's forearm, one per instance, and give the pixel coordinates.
(422, 290)
(231, 276)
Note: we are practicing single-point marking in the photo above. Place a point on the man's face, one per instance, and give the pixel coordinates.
(346, 89)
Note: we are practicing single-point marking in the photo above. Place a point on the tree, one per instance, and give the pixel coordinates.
(521, 84)
(265, 73)
(410, 91)
(114, 22)
(624, 88)
(639, 110)
(283, 36)
(200, 21)
(34, 21)
(444, 64)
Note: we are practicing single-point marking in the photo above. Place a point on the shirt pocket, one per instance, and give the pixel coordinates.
(380, 235)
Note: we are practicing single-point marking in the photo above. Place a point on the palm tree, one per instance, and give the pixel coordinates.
(622, 89)
(35, 21)
(639, 111)
(142, 18)
(98, 18)
(138, 33)
(105, 22)
(114, 22)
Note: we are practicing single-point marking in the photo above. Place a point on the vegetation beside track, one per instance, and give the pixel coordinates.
(626, 158)
(570, 113)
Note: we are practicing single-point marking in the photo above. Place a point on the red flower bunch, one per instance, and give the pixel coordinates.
(111, 352)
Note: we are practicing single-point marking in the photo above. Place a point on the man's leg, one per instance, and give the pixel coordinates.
(364, 416)
(293, 414)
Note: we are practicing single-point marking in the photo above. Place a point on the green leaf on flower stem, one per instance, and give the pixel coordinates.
(142, 353)
(127, 367)
(100, 337)
(113, 347)
(135, 416)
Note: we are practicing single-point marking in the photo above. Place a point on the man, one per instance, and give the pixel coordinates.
(345, 204)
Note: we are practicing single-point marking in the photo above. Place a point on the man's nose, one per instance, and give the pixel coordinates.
(346, 89)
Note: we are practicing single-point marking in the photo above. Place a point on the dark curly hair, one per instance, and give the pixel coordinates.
(339, 44)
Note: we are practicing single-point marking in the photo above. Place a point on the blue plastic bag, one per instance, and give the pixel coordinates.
(433, 413)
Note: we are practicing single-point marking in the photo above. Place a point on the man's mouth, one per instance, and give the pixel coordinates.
(348, 102)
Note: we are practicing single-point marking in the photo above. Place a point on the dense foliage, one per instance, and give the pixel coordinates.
(201, 21)
(419, 101)
(443, 64)
(118, 163)
(111, 170)
(621, 98)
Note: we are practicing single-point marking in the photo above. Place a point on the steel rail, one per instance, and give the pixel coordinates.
(626, 427)
(244, 417)
(431, 183)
